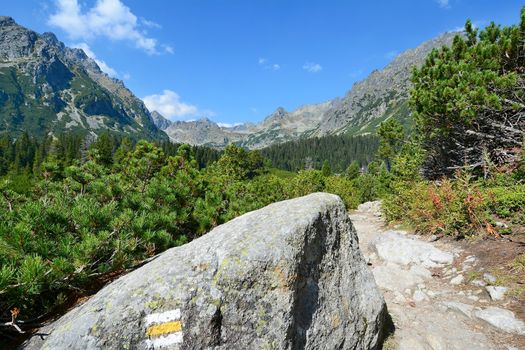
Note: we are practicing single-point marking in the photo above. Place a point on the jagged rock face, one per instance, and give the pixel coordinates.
(47, 88)
(159, 120)
(202, 132)
(288, 276)
(282, 126)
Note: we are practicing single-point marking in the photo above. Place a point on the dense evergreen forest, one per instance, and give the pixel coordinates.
(26, 155)
(338, 150)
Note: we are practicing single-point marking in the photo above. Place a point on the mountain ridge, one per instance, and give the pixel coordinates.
(47, 88)
(381, 95)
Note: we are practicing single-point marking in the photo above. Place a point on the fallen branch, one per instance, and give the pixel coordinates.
(12, 323)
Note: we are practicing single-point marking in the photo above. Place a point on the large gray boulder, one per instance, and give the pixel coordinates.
(288, 276)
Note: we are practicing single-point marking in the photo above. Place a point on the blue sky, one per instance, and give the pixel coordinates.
(238, 60)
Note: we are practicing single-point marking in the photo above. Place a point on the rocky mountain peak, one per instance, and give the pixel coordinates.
(6, 21)
(276, 117)
(159, 120)
(15, 41)
(51, 39)
(66, 87)
(279, 113)
(204, 120)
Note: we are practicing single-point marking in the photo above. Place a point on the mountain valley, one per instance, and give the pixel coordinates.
(382, 95)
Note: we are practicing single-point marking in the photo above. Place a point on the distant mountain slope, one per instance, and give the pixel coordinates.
(278, 127)
(282, 126)
(202, 132)
(47, 88)
(383, 94)
(159, 120)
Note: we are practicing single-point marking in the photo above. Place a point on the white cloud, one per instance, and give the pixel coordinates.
(126, 76)
(312, 67)
(266, 65)
(168, 49)
(150, 24)
(443, 3)
(170, 105)
(107, 18)
(102, 65)
(253, 109)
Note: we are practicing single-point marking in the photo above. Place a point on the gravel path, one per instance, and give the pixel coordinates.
(433, 300)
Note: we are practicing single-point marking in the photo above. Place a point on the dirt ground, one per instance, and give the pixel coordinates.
(496, 256)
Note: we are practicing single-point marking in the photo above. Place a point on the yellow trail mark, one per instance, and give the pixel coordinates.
(164, 328)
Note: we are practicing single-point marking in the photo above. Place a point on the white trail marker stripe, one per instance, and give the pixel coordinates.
(161, 342)
(163, 317)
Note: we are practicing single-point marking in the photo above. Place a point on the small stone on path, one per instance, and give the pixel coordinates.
(478, 283)
(496, 292)
(419, 296)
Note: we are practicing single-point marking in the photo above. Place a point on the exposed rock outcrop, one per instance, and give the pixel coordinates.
(288, 276)
(201, 132)
(160, 121)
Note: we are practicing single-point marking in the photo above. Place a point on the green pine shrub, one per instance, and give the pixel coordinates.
(508, 202)
(344, 188)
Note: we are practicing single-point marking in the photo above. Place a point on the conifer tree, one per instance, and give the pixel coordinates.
(470, 97)
(353, 170)
(392, 136)
(105, 149)
(326, 170)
